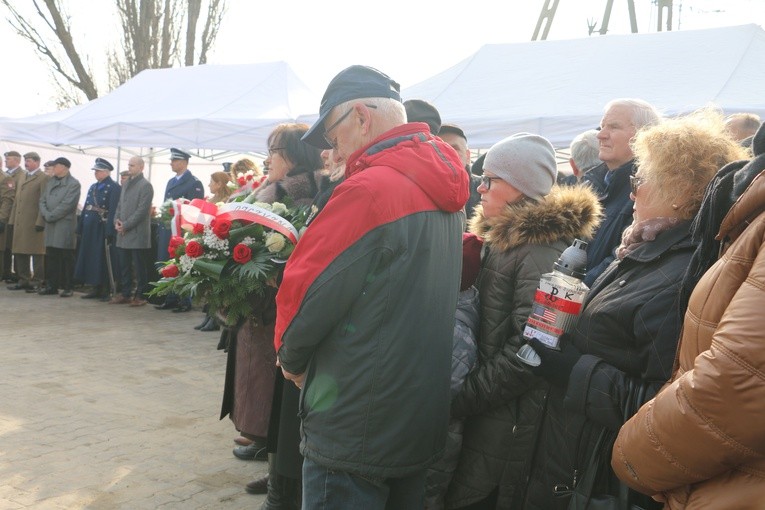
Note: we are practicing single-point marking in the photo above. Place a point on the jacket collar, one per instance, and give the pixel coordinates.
(749, 205)
(677, 237)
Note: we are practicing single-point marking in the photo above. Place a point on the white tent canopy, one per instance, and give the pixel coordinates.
(559, 88)
(228, 107)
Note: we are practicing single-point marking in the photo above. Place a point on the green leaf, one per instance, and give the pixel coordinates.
(211, 268)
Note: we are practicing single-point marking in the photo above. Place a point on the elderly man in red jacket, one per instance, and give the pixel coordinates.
(366, 308)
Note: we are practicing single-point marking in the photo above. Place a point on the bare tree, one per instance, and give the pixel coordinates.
(152, 31)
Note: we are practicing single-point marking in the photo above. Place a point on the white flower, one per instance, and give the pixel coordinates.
(279, 208)
(263, 205)
(275, 242)
(186, 263)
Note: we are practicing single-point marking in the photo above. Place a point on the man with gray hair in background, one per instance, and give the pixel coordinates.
(365, 311)
(621, 121)
(584, 159)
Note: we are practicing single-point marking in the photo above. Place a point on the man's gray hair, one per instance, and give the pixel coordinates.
(584, 150)
(643, 113)
(389, 109)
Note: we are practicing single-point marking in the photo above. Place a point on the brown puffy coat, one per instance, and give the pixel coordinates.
(700, 444)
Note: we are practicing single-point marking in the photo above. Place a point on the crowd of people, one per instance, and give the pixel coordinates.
(381, 368)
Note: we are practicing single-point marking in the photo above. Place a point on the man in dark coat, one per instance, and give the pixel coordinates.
(455, 136)
(96, 231)
(132, 221)
(622, 119)
(183, 185)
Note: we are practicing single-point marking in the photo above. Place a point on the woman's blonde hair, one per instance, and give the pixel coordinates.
(681, 155)
(221, 178)
(245, 165)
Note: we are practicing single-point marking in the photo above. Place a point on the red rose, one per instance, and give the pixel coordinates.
(242, 253)
(250, 177)
(199, 228)
(221, 228)
(170, 271)
(176, 241)
(194, 249)
(170, 211)
(241, 181)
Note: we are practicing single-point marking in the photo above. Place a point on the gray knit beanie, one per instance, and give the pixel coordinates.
(525, 161)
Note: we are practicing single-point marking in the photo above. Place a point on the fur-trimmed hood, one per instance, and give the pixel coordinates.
(301, 187)
(567, 212)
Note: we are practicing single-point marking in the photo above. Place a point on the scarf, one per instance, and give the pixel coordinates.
(642, 232)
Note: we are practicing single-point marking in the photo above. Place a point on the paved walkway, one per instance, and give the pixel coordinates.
(111, 407)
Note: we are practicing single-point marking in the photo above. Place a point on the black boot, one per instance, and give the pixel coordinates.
(283, 493)
(224, 339)
(203, 323)
(212, 325)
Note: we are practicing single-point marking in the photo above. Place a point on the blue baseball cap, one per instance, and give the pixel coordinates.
(354, 82)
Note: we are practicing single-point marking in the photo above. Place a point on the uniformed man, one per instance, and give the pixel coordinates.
(13, 170)
(183, 185)
(7, 196)
(96, 232)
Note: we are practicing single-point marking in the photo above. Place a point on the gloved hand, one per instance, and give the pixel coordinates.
(39, 228)
(2, 227)
(556, 366)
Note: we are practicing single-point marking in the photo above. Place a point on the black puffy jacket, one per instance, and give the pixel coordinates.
(628, 330)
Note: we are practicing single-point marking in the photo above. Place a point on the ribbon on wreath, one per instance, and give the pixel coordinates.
(253, 214)
(188, 215)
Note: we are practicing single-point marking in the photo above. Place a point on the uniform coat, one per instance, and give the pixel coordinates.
(58, 207)
(133, 210)
(7, 196)
(26, 215)
(96, 223)
(700, 443)
(188, 187)
(521, 244)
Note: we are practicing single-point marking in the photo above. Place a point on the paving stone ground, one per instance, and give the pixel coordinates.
(112, 407)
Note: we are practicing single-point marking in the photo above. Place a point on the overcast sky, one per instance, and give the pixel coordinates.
(408, 40)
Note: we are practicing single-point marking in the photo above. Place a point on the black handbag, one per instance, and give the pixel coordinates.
(599, 464)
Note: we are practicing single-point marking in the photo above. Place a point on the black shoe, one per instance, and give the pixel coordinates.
(210, 326)
(47, 291)
(182, 308)
(203, 323)
(33, 290)
(256, 451)
(19, 286)
(283, 493)
(166, 306)
(66, 293)
(258, 486)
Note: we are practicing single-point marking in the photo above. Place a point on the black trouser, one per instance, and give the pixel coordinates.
(8, 267)
(132, 265)
(59, 267)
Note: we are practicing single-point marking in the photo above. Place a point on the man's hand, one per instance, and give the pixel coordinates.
(118, 227)
(298, 379)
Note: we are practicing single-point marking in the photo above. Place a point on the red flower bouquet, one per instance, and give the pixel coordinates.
(228, 255)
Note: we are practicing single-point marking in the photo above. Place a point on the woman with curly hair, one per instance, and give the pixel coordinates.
(622, 348)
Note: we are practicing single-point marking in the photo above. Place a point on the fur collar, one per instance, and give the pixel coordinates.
(568, 212)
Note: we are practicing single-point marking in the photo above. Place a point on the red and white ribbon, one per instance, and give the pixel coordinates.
(254, 214)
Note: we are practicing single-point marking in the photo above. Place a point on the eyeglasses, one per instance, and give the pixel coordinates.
(333, 143)
(272, 150)
(635, 183)
(486, 181)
